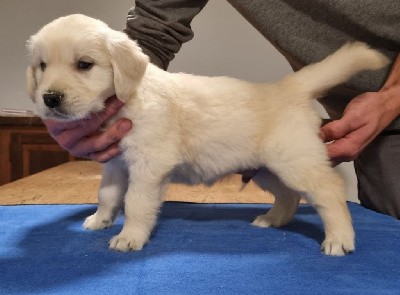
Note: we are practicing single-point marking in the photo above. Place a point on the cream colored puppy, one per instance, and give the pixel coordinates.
(194, 129)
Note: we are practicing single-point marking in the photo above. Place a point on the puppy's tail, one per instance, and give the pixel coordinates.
(339, 67)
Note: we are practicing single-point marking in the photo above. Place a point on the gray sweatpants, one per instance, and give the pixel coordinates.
(378, 174)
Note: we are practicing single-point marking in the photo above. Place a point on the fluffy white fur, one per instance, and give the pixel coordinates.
(195, 129)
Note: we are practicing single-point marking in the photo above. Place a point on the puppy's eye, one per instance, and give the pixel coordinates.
(84, 65)
(43, 66)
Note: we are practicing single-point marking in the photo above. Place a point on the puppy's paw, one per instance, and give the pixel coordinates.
(95, 222)
(269, 220)
(337, 247)
(262, 221)
(126, 243)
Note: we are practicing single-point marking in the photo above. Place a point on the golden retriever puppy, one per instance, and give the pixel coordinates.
(194, 129)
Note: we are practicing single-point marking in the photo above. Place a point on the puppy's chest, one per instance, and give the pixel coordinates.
(143, 156)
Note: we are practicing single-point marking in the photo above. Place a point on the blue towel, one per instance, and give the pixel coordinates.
(195, 249)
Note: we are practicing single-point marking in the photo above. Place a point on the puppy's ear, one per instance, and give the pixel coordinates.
(129, 64)
(31, 82)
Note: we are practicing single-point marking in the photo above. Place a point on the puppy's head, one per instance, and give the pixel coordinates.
(76, 63)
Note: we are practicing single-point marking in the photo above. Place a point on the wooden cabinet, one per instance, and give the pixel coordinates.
(27, 148)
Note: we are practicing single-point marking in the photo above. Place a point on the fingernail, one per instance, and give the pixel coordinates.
(125, 126)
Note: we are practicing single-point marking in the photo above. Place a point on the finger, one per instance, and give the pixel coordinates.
(106, 155)
(55, 127)
(102, 141)
(92, 124)
(341, 150)
(70, 137)
(112, 105)
(335, 130)
(351, 145)
(347, 148)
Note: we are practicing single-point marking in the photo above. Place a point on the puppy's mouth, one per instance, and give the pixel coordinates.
(60, 111)
(64, 110)
(61, 114)
(57, 115)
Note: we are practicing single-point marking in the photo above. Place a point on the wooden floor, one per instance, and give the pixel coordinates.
(78, 182)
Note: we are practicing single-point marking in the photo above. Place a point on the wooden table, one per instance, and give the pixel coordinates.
(77, 183)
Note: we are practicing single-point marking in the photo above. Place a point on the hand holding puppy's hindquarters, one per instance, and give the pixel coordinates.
(83, 138)
(364, 118)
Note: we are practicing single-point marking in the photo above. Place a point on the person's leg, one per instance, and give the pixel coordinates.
(378, 173)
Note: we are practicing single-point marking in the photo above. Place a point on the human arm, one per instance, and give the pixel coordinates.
(161, 27)
(366, 116)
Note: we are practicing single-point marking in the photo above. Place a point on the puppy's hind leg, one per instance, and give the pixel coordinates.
(111, 195)
(286, 200)
(304, 166)
(326, 194)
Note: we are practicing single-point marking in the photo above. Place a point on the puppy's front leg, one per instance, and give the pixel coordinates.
(142, 203)
(111, 194)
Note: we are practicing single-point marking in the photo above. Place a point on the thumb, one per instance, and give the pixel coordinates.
(335, 130)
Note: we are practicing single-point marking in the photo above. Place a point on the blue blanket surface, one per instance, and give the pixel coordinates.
(195, 249)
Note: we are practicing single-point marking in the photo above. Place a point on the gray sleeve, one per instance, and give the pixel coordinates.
(160, 27)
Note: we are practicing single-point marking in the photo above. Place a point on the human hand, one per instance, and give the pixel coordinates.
(363, 119)
(82, 138)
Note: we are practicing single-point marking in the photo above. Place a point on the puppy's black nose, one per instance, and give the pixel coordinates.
(52, 99)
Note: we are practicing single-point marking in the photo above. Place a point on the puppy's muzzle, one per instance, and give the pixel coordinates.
(52, 99)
